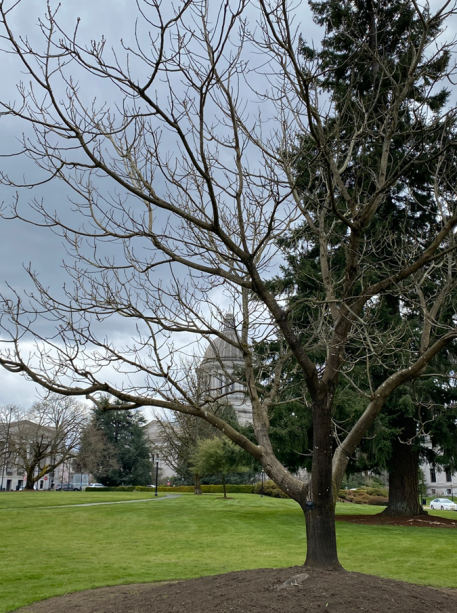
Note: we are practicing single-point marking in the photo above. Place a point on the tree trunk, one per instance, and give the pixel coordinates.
(29, 482)
(404, 474)
(223, 486)
(320, 514)
(197, 485)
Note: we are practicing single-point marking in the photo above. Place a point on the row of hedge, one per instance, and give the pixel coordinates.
(211, 489)
(121, 488)
(374, 496)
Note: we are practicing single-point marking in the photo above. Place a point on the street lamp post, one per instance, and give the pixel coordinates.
(157, 475)
(151, 472)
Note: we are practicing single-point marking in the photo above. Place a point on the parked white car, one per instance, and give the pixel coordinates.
(96, 485)
(444, 504)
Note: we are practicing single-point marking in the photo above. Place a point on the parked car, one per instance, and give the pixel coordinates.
(444, 504)
(96, 485)
(150, 486)
(67, 487)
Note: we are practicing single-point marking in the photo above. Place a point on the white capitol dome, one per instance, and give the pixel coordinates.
(220, 360)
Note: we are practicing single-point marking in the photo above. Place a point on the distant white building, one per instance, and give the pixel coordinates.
(17, 439)
(156, 444)
(218, 368)
(23, 434)
(438, 482)
(221, 364)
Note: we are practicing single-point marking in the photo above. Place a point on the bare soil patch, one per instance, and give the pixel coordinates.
(256, 591)
(424, 521)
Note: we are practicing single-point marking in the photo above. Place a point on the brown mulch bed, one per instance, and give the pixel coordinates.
(423, 521)
(256, 591)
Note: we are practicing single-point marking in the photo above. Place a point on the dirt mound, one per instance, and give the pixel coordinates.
(258, 591)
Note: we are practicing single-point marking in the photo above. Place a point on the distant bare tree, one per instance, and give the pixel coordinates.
(42, 438)
(6, 417)
(202, 188)
(95, 453)
(180, 435)
(179, 438)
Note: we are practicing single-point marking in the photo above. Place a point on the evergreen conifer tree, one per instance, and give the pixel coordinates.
(126, 434)
(420, 408)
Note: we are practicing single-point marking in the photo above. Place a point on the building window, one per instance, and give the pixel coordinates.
(448, 476)
(433, 491)
(229, 385)
(448, 492)
(433, 475)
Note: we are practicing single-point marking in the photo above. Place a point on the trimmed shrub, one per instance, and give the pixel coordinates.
(118, 488)
(380, 500)
(377, 491)
(179, 488)
(270, 489)
(211, 489)
(363, 496)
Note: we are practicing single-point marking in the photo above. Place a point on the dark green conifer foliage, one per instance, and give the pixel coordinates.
(127, 433)
(408, 213)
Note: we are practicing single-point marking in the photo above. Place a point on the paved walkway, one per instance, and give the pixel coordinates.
(96, 504)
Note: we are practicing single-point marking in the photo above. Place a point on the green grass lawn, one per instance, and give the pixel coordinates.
(25, 500)
(50, 551)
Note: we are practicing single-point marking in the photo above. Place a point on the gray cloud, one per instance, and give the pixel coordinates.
(21, 243)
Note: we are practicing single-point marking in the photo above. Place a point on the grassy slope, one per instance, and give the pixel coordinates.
(44, 552)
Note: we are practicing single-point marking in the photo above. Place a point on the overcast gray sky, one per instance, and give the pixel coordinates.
(21, 244)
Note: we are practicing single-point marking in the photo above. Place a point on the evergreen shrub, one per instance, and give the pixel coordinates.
(377, 491)
(376, 496)
(380, 500)
(270, 489)
(211, 489)
(117, 488)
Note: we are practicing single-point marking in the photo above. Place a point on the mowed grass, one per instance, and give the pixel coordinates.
(26, 500)
(50, 551)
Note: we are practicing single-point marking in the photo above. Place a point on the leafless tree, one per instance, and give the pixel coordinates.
(42, 438)
(179, 436)
(202, 187)
(96, 454)
(6, 417)
(178, 440)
